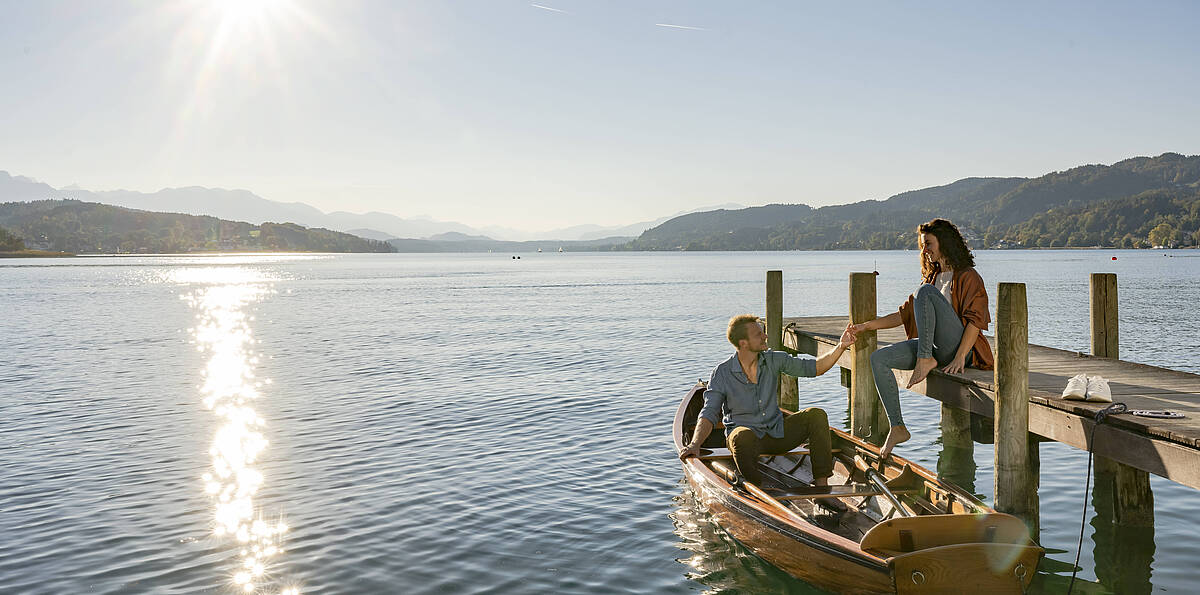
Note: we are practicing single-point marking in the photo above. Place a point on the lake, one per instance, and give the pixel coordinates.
(463, 423)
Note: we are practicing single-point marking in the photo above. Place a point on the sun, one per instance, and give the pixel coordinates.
(225, 54)
(248, 13)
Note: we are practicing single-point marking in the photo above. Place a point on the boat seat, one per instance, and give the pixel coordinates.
(815, 492)
(935, 530)
(710, 454)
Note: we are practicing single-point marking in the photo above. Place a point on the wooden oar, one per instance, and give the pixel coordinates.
(880, 484)
(736, 480)
(709, 454)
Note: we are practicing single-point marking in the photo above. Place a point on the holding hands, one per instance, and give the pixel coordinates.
(849, 335)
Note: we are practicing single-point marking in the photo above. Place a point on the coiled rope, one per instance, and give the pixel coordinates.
(1113, 409)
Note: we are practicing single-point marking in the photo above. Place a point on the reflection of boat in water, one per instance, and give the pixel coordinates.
(902, 531)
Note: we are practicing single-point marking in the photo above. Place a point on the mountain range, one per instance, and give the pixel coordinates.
(1142, 201)
(1069, 208)
(243, 205)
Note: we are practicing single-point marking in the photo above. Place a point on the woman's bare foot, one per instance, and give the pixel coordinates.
(922, 369)
(896, 435)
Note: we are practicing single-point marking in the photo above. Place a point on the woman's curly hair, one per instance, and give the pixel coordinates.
(950, 244)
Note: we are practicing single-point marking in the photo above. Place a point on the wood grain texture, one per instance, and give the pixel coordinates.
(1015, 480)
(939, 570)
(1129, 487)
(946, 529)
(789, 394)
(867, 419)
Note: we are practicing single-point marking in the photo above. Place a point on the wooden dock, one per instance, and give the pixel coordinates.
(1166, 447)
(1020, 402)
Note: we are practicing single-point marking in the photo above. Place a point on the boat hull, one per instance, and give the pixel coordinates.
(790, 548)
(830, 561)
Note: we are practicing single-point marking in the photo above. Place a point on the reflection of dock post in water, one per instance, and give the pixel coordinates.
(1016, 450)
(956, 461)
(1123, 554)
(1124, 504)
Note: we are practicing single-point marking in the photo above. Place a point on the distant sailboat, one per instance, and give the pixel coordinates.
(560, 248)
(539, 249)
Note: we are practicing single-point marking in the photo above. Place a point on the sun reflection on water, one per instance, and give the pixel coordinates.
(223, 332)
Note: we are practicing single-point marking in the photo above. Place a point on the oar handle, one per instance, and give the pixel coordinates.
(880, 484)
(862, 465)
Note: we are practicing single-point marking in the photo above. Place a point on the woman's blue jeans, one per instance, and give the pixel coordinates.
(939, 332)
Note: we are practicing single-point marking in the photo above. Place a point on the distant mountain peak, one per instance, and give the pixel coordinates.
(454, 236)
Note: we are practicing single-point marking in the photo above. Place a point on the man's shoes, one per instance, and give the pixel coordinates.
(1097, 390)
(832, 504)
(1077, 388)
(826, 517)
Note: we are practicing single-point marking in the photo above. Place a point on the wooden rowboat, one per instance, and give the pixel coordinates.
(902, 530)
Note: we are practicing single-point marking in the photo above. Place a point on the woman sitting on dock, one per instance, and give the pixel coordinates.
(942, 319)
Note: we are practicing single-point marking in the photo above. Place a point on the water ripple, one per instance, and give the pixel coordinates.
(450, 423)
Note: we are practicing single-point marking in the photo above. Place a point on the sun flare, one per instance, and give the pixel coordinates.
(237, 13)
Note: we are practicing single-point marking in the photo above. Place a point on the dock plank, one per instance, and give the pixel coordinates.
(1166, 447)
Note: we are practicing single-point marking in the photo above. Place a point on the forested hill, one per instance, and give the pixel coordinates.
(87, 227)
(1076, 207)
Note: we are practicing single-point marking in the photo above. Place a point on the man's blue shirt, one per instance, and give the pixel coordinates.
(734, 400)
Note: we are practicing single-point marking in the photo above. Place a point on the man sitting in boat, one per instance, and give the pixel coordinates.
(742, 394)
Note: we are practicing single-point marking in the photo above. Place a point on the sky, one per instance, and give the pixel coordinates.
(564, 112)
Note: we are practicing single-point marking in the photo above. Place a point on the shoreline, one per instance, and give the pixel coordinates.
(36, 254)
(52, 254)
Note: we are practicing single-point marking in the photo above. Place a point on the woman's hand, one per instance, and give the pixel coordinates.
(956, 366)
(849, 335)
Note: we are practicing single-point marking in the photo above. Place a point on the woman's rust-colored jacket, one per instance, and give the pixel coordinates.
(969, 298)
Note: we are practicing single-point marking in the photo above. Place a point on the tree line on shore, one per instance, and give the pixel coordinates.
(1155, 218)
(1135, 203)
(83, 227)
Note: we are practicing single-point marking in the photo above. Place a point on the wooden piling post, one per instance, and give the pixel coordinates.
(867, 418)
(1132, 499)
(789, 397)
(956, 461)
(1016, 450)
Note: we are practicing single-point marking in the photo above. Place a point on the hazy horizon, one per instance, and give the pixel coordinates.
(556, 114)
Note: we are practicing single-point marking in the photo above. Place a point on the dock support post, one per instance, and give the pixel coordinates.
(956, 462)
(1132, 499)
(789, 394)
(867, 419)
(1016, 452)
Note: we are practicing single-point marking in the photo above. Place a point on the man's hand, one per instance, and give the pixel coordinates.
(691, 450)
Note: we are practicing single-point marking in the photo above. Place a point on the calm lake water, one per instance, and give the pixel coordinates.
(463, 423)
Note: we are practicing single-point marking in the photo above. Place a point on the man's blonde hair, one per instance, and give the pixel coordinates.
(737, 327)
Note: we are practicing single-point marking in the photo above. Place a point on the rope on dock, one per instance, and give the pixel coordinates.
(1101, 415)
